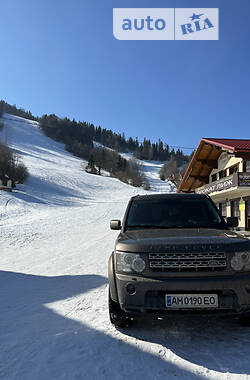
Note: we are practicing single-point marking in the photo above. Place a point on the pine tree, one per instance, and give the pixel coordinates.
(90, 168)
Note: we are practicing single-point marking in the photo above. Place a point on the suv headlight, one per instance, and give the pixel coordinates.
(241, 261)
(129, 262)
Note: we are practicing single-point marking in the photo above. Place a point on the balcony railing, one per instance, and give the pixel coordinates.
(233, 180)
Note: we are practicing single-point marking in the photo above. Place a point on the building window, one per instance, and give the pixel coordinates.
(233, 169)
(235, 211)
(223, 209)
(214, 177)
(223, 174)
(247, 166)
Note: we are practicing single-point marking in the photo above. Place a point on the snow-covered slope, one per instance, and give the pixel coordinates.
(55, 243)
(151, 170)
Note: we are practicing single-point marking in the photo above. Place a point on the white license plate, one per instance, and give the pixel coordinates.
(191, 301)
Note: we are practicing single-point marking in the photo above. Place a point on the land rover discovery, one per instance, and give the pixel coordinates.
(176, 254)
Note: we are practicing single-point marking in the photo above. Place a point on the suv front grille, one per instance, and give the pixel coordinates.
(188, 261)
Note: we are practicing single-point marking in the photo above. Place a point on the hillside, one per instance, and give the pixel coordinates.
(79, 138)
(55, 244)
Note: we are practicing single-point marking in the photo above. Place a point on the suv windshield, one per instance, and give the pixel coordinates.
(174, 213)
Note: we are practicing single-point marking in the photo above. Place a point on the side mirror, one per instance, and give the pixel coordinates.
(115, 225)
(232, 221)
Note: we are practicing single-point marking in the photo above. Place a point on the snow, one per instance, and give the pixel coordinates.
(151, 171)
(55, 244)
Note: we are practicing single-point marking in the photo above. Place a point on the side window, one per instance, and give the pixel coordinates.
(210, 212)
(234, 169)
(223, 173)
(214, 177)
(247, 169)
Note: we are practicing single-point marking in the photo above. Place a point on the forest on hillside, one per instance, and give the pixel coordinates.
(80, 137)
(64, 128)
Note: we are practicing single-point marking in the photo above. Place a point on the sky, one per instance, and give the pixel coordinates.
(61, 57)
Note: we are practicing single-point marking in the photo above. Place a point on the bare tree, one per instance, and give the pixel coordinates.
(11, 165)
(171, 172)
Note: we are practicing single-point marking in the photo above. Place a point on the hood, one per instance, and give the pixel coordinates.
(189, 239)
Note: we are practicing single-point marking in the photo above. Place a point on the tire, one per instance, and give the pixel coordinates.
(244, 320)
(117, 316)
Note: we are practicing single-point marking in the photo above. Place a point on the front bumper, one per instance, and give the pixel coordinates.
(149, 297)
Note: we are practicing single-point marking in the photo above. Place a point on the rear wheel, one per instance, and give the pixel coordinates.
(117, 316)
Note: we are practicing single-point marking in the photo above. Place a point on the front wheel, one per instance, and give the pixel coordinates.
(117, 316)
(244, 320)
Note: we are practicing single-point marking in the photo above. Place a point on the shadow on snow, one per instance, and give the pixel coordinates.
(38, 343)
(219, 344)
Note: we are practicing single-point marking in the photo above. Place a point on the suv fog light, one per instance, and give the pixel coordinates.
(138, 265)
(130, 289)
(241, 261)
(236, 263)
(245, 257)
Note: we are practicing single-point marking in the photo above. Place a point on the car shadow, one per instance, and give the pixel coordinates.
(219, 344)
(40, 342)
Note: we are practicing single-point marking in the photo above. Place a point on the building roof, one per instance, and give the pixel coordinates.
(205, 159)
(237, 145)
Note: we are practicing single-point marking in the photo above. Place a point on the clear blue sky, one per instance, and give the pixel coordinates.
(61, 57)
